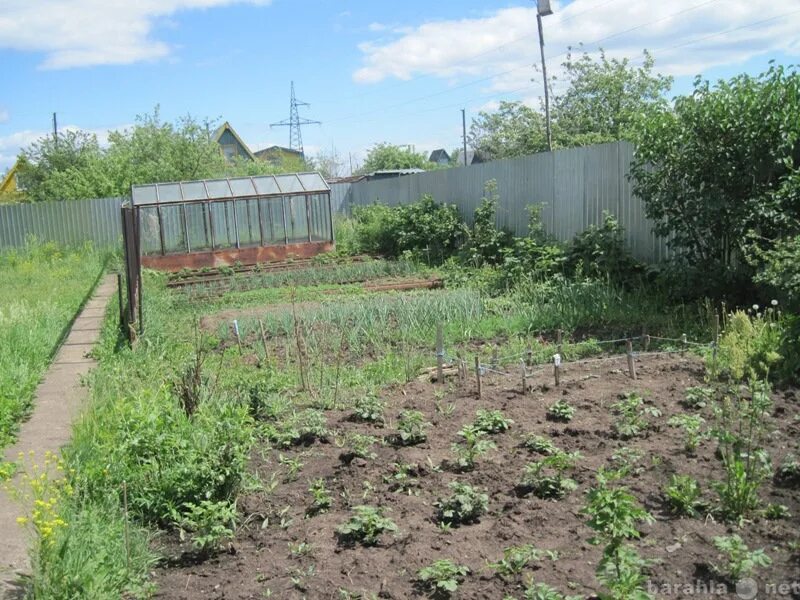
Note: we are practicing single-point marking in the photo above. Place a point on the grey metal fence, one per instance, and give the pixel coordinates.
(574, 187)
(68, 223)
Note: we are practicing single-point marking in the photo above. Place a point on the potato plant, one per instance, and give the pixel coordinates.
(465, 505)
(365, 526)
(443, 576)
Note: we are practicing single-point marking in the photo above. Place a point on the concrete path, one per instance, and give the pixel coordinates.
(58, 401)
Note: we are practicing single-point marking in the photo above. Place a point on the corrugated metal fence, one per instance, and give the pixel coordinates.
(574, 187)
(68, 223)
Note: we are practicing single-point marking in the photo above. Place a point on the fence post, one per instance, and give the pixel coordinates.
(631, 363)
(557, 369)
(478, 375)
(524, 378)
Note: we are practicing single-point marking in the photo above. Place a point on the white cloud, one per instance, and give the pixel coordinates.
(377, 27)
(77, 33)
(4, 116)
(503, 46)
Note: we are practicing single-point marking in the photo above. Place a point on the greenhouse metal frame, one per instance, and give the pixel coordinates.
(219, 222)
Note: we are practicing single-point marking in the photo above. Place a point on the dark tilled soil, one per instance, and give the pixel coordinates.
(259, 561)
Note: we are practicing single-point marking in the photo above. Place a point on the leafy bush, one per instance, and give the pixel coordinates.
(561, 410)
(208, 522)
(302, 427)
(403, 478)
(358, 445)
(516, 558)
(369, 408)
(633, 416)
(748, 346)
(698, 397)
(429, 231)
(491, 421)
(692, 426)
(412, 427)
(465, 505)
(600, 252)
(683, 495)
(487, 244)
(322, 500)
(442, 576)
(471, 448)
(546, 478)
(540, 444)
(365, 526)
(741, 561)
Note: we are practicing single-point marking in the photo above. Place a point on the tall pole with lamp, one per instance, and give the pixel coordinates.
(542, 10)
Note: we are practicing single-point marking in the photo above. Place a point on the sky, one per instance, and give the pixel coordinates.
(372, 71)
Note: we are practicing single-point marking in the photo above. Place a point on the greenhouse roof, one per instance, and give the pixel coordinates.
(230, 188)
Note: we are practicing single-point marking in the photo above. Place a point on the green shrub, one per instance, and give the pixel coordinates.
(465, 505)
(633, 416)
(600, 252)
(365, 526)
(546, 478)
(749, 344)
(491, 421)
(471, 448)
(369, 408)
(740, 560)
(412, 427)
(516, 558)
(540, 444)
(442, 576)
(207, 522)
(561, 410)
(683, 495)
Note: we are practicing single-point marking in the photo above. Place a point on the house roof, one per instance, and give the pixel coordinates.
(438, 155)
(281, 149)
(9, 182)
(227, 127)
(221, 189)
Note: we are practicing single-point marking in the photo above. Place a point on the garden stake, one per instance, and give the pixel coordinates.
(529, 357)
(631, 363)
(646, 339)
(495, 358)
(236, 333)
(439, 354)
(127, 534)
(524, 378)
(478, 374)
(683, 340)
(716, 340)
(264, 340)
(557, 369)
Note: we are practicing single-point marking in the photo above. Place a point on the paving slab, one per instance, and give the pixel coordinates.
(58, 402)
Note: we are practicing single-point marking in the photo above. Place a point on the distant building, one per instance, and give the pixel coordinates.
(277, 155)
(9, 185)
(440, 157)
(232, 145)
(389, 173)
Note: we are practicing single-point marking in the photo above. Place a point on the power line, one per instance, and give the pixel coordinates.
(294, 123)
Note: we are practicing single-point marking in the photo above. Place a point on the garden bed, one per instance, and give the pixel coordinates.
(281, 548)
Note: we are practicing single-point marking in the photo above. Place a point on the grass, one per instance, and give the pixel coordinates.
(42, 287)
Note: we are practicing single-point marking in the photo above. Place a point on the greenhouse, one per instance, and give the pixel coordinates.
(217, 222)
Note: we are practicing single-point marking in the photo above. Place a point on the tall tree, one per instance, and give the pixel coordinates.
(385, 156)
(605, 98)
(514, 129)
(720, 172)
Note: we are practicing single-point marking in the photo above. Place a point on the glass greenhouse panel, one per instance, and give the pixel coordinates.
(296, 221)
(197, 224)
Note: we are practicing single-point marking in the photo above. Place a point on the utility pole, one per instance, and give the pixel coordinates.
(464, 132)
(542, 10)
(294, 122)
(55, 129)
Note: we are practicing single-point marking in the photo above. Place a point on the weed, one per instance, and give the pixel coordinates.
(633, 416)
(692, 427)
(403, 478)
(540, 444)
(788, 473)
(683, 495)
(412, 427)
(465, 505)
(442, 576)
(775, 512)
(369, 408)
(627, 461)
(322, 500)
(365, 526)
(740, 429)
(471, 448)
(561, 410)
(491, 421)
(546, 478)
(300, 549)
(301, 427)
(740, 560)
(516, 558)
(293, 467)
